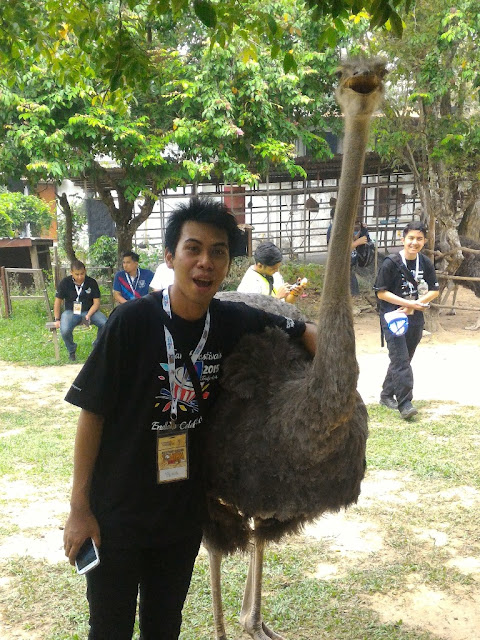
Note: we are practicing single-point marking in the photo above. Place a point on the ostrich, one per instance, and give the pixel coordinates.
(288, 434)
(470, 268)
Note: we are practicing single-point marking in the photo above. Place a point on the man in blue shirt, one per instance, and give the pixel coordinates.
(132, 282)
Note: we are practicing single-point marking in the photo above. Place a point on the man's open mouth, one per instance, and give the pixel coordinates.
(203, 284)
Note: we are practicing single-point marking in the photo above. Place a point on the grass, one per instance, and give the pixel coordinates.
(435, 466)
(25, 340)
(433, 460)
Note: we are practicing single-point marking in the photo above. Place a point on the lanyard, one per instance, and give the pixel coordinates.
(78, 289)
(171, 353)
(417, 267)
(130, 281)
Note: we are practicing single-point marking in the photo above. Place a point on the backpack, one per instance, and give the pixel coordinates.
(365, 254)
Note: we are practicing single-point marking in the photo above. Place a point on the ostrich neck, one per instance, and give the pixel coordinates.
(337, 275)
(335, 365)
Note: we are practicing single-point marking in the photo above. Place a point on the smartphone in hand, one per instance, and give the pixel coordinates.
(87, 557)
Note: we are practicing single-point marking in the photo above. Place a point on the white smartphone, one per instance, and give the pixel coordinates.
(87, 558)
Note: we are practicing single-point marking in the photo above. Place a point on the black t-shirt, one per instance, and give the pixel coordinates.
(66, 291)
(125, 380)
(390, 278)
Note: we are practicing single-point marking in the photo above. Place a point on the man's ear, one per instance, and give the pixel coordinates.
(169, 258)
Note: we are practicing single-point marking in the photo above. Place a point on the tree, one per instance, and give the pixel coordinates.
(432, 119)
(204, 111)
(114, 36)
(18, 210)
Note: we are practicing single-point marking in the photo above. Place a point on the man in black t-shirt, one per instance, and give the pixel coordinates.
(81, 296)
(145, 394)
(407, 283)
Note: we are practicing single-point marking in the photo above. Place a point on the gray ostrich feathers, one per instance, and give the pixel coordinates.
(270, 456)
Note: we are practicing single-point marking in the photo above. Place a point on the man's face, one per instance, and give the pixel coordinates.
(78, 275)
(129, 265)
(413, 242)
(201, 263)
(267, 270)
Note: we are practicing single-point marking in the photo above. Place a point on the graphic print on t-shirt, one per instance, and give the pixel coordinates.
(183, 389)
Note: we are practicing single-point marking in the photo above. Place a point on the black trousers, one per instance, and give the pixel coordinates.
(161, 575)
(398, 382)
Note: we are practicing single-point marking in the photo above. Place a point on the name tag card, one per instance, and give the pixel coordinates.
(77, 308)
(172, 458)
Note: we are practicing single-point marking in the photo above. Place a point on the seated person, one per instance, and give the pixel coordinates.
(81, 296)
(263, 276)
(163, 277)
(132, 282)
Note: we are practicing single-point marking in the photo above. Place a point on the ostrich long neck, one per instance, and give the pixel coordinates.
(335, 368)
(336, 287)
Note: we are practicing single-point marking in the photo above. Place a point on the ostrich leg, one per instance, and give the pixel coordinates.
(215, 559)
(251, 616)
(474, 327)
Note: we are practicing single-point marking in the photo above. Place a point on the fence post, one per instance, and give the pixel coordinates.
(5, 291)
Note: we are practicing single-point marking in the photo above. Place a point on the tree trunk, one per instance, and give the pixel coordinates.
(68, 237)
(470, 224)
(123, 214)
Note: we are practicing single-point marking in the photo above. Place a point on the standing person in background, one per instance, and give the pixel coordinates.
(132, 282)
(82, 303)
(405, 282)
(163, 277)
(263, 276)
(360, 237)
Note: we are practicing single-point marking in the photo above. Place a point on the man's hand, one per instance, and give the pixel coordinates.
(282, 291)
(359, 241)
(81, 524)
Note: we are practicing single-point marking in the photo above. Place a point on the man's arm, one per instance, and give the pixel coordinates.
(95, 307)
(81, 523)
(428, 297)
(309, 338)
(57, 311)
(118, 297)
(388, 296)
(359, 241)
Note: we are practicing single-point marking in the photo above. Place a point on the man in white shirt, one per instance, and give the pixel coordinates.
(263, 277)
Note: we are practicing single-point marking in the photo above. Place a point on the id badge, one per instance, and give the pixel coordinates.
(172, 458)
(77, 308)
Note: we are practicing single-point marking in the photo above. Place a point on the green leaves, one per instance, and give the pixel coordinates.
(205, 11)
(16, 210)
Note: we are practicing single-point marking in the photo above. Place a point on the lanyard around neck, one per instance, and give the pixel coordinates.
(78, 289)
(170, 347)
(417, 266)
(130, 281)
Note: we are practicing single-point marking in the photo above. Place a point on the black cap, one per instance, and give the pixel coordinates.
(268, 254)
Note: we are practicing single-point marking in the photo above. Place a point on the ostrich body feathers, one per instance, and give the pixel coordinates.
(271, 458)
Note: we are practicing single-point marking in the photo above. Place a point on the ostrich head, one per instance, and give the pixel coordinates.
(360, 87)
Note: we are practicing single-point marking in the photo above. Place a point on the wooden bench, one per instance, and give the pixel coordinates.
(52, 326)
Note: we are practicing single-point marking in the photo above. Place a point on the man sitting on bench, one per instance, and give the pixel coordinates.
(81, 296)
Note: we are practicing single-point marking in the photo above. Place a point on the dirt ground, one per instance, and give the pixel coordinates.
(445, 368)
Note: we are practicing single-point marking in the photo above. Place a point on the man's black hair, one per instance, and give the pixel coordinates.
(131, 254)
(415, 225)
(267, 254)
(76, 265)
(205, 211)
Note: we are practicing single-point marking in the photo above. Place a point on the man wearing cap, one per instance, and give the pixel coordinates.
(263, 276)
(407, 283)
